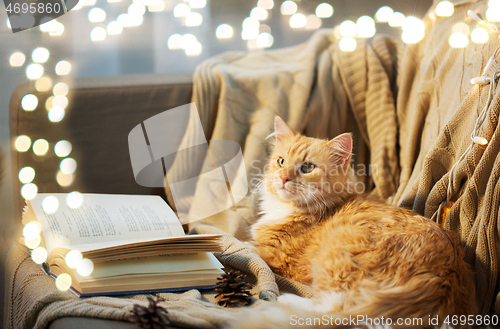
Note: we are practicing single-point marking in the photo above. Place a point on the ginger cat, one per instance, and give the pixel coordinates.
(361, 256)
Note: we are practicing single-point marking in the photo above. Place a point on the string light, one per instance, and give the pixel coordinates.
(74, 199)
(50, 204)
(458, 40)
(29, 191)
(444, 9)
(197, 3)
(56, 114)
(17, 59)
(22, 143)
(193, 19)
(159, 6)
(493, 14)
(85, 267)
(384, 14)
(98, 34)
(480, 140)
(48, 26)
(224, 31)
(64, 179)
(479, 35)
(62, 148)
(347, 44)
(324, 10)
(29, 102)
(63, 282)
(313, 22)
(397, 19)
(259, 13)
(298, 21)
(193, 49)
(136, 9)
(31, 230)
(266, 4)
(33, 243)
(63, 68)
(58, 30)
(34, 71)
(181, 10)
(365, 26)
(88, 3)
(175, 42)
(249, 33)
(43, 84)
(39, 255)
(288, 8)
(26, 175)
(413, 30)
(60, 101)
(40, 147)
(264, 40)
(348, 28)
(60, 89)
(97, 15)
(73, 258)
(188, 40)
(68, 166)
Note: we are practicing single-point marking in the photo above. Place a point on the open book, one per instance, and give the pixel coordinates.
(136, 244)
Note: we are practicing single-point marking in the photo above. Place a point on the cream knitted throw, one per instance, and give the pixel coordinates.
(411, 111)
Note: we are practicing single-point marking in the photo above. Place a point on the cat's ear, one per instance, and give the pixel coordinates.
(342, 148)
(281, 130)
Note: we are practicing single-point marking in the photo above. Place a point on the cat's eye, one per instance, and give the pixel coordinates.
(307, 168)
(281, 162)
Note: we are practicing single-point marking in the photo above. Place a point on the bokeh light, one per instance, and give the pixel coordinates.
(347, 44)
(60, 89)
(479, 35)
(85, 267)
(68, 166)
(384, 14)
(62, 148)
(22, 143)
(288, 8)
(224, 31)
(50, 204)
(26, 175)
(397, 19)
(264, 40)
(74, 199)
(64, 179)
(63, 282)
(29, 191)
(34, 71)
(324, 10)
(445, 9)
(39, 255)
(98, 34)
(259, 13)
(194, 19)
(298, 21)
(40, 55)
(197, 3)
(29, 102)
(56, 114)
(366, 27)
(313, 22)
(348, 28)
(63, 68)
(73, 258)
(33, 243)
(458, 40)
(114, 28)
(181, 10)
(43, 84)
(17, 59)
(97, 15)
(40, 147)
(31, 230)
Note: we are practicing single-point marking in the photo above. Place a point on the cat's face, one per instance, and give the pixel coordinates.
(308, 171)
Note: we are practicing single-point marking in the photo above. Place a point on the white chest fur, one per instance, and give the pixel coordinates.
(272, 210)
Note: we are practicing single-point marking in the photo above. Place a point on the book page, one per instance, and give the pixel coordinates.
(105, 220)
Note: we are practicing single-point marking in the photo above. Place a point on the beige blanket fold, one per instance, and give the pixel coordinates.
(411, 110)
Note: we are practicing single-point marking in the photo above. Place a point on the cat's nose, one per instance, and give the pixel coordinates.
(284, 179)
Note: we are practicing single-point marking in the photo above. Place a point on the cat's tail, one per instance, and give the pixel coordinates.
(424, 301)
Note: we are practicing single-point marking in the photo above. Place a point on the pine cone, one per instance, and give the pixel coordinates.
(151, 317)
(233, 290)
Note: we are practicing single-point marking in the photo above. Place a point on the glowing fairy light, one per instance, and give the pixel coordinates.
(288, 8)
(34, 71)
(29, 191)
(26, 175)
(250, 21)
(85, 267)
(313, 22)
(98, 34)
(29, 102)
(58, 30)
(193, 19)
(383, 15)
(194, 49)
(39, 255)
(43, 84)
(298, 21)
(64, 179)
(74, 199)
(347, 44)
(50, 204)
(493, 14)
(73, 258)
(397, 19)
(17, 59)
(60, 89)
(348, 29)
(88, 3)
(40, 147)
(79, 6)
(259, 13)
(134, 20)
(458, 40)
(365, 26)
(97, 15)
(68, 166)
(157, 7)
(136, 9)
(324, 10)
(175, 41)
(266, 4)
(56, 114)
(461, 27)
(63, 282)
(123, 20)
(188, 41)
(197, 3)
(62, 148)
(413, 30)
(31, 230)
(224, 31)
(445, 9)
(479, 35)
(63, 68)
(264, 40)
(48, 26)
(33, 243)
(480, 140)
(22, 143)
(249, 33)
(181, 10)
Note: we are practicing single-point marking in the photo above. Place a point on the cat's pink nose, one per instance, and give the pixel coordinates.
(284, 179)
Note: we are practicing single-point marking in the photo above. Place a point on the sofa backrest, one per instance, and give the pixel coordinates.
(99, 116)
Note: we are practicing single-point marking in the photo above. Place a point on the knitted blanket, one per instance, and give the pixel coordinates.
(411, 109)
